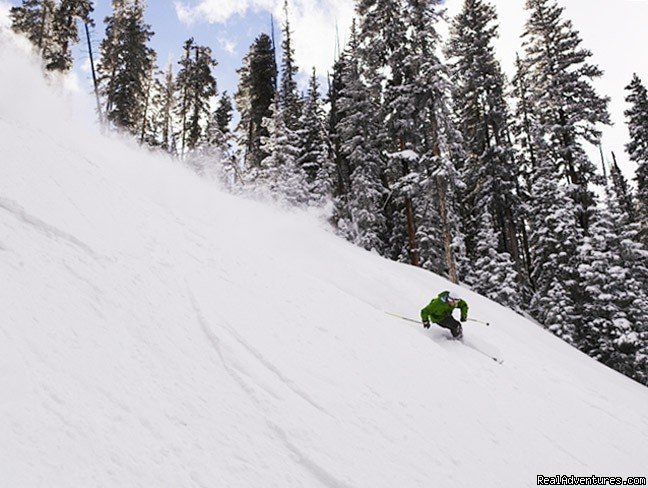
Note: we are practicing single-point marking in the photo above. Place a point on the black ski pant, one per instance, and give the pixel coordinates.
(453, 325)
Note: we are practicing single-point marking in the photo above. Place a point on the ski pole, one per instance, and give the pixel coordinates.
(404, 318)
(480, 321)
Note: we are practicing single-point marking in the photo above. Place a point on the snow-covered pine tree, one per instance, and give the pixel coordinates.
(383, 49)
(614, 275)
(622, 191)
(125, 66)
(558, 112)
(289, 99)
(489, 171)
(493, 273)
(223, 115)
(341, 178)
(525, 126)
(315, 158)
(554, 239)
(163, 109)
(565, 104)
(380, 20)
(34, 19)
(182, 99)
(65, 32)
(362, 221)
(254, 99)
(279, 173)
(406, 79)
(196, 86)
(438, 144)
(147, 127)
(220, 137)
(633, 255)
(524, 134)
(637, 148)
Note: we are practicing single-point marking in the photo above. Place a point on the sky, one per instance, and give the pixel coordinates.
(614, 30)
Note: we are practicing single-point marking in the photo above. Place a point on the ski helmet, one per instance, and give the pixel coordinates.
(452, 299)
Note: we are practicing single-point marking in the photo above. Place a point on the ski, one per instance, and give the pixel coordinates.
(496, 359)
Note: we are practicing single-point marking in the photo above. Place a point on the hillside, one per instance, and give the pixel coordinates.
(157, 332)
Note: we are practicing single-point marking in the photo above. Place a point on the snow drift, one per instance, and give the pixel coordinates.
(156, 332)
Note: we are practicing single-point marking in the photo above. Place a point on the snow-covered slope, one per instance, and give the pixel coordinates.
(156, 332)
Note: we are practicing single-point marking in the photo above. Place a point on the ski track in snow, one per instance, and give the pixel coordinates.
(17, 211)
(235, 373)
(254, 354)
(156, 332)
(302, 457)
(317, 471)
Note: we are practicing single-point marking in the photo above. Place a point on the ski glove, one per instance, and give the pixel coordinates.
(426, 324)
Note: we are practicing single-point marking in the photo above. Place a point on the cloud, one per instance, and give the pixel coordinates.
(218, 11)
(316, 25)
(227, 45)
(313, 22)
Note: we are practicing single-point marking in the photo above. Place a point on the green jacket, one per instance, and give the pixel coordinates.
(439, 309)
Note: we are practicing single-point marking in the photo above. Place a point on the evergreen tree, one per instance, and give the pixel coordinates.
(566, 106)
(314, 158)
(613, 272)
(34, 19)
(525, 132)
(65, 32)
(637, 148)
(197, 86)
(493, 273)
(525, 126)
(362, 221)
(439, 144)
(558, 111)
(381, 20)
(254, 99)
(406, 79)
(148, 128)
(289, 99)
(341, 175)
(488, 171)
(279, 172)
(221, 138)
(555, 238)
(163, 109)
(223, 114)
(383, 49)
(622, 192)
(213, 157)
(126, 64)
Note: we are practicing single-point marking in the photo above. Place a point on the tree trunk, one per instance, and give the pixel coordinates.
(409, 214)
(527, 255)
(94, 74)
(411, 232)
(447, 235)
(441, 185)
(41, 33)
(146, 107)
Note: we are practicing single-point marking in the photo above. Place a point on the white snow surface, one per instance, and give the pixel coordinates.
(157, 332)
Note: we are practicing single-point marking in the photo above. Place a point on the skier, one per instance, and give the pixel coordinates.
(440, 311)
